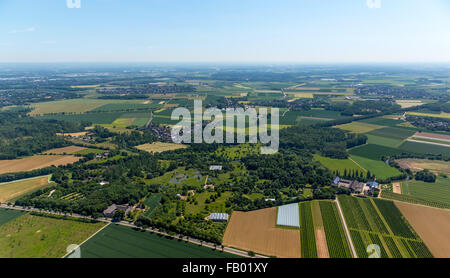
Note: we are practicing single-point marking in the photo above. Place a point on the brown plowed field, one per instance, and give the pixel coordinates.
(255, 231)
(432, 225)
(35, 162)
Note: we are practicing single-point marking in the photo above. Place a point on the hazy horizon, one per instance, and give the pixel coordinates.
(230, 32)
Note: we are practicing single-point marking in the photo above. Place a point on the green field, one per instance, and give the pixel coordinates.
(123, 242)
(7, 215)
(339, 165)
(152, 202)
(31, 236)
(430, 194)
(385, 141)
(424, 148)
(394, 132)
(374, 152)
(307, 235)
(377, 167)
(337, 242)
(95, 118)
(375, 221)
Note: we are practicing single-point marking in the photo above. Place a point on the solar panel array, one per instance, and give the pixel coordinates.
(288, 215)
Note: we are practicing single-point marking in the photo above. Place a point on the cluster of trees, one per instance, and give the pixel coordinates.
(353, 174)
(124, 186)
(330, 142)
(425, 176)
(429, 123)
(21, 135)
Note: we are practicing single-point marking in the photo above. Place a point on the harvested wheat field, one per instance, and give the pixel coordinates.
(432, 225)
(65, 150)
(159, 147)
(12, 190)
(35, 162)
(255, 231)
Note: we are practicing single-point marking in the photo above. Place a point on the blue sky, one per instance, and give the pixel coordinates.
(300, 31)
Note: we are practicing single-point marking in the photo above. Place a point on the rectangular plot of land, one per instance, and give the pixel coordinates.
(256, 231)
(288, 215)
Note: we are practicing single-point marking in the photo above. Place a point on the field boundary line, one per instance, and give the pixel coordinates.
(347, 233)
(349, 157)
(101, 229)
(391, 233)
(428, 143)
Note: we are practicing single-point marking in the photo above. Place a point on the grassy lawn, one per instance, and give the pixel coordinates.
(123, 242)
(339, 165)
(7, 215)
(152, 202)
(32, 236)
(217, 206)
(377, 167)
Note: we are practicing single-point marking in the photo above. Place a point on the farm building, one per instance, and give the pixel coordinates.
(288, 215)
(109, 212)
(218, 217)
(353, 185)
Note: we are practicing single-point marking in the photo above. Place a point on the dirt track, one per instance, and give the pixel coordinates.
(256, 231)
(432, 225)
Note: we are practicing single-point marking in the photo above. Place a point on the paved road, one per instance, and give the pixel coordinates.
(128, 224)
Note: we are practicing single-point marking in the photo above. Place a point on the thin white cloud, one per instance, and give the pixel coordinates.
(29, 29)
(373, 4)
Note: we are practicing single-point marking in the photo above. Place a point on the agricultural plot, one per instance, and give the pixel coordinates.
(382, 121)
(307, 233)
(110, 107)
(11, 191)
(375, 221)
(359, 127)
(339, 165)
(200, 205)
(288, 215)
(95, 118)
(117, 241)
(394, 132)
(383, 140)
(374, 152)
(35, 162)
(377, 167)
(65, 150)
(424, 148)
(7, 215)
(31, 236)
(256, 231)
(433, 227)
(338, 246)
(417, 192)
(159, 147)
